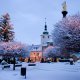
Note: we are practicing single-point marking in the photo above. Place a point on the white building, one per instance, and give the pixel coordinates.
(46, 38)
(37, 50)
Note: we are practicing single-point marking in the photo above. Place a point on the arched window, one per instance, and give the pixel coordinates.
(43, 37)
(48, 36)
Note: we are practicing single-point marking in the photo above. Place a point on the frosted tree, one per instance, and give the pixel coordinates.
(6, 29)
(7, 43)
(66, 34)
(14, 48)
(51, 52)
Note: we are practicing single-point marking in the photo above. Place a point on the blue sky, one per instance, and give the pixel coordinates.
(28, 16)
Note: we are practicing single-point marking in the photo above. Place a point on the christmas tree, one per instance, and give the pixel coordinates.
(6, 29)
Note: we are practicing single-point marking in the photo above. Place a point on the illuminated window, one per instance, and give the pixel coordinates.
(37, 53)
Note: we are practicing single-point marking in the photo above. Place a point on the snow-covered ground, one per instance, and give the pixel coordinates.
(43, 71)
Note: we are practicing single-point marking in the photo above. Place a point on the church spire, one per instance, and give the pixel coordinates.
(45, 25)
(45, 28)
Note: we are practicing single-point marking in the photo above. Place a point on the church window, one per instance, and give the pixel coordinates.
(48, 36)
(43, 36)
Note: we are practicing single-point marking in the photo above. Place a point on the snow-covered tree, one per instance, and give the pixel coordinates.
(6, 29)
(14, 48)
(51, 52)
(7, 44)
(66, 34)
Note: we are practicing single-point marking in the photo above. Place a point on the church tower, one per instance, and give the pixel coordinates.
(45, 37)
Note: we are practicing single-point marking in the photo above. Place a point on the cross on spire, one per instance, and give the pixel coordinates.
(45, 25)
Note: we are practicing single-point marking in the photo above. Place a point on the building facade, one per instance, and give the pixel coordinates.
(36, 53)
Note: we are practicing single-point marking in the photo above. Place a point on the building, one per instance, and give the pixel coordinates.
(36, 52)
(46, 38)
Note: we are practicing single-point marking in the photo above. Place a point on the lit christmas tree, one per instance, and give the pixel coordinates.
(6, 29)
(7, 43)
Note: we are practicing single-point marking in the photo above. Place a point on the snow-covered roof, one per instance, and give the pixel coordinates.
(76, 54)
(36, 48)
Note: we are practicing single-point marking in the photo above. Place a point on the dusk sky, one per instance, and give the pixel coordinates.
(28, 16)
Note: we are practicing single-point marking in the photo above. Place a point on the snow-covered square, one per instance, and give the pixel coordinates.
(43, 71)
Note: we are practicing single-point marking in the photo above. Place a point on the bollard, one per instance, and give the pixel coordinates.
(71, 61)
(23, 71)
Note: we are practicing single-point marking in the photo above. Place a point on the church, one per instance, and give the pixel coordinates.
(36, 53)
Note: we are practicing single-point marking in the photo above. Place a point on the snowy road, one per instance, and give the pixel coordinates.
(44, 71)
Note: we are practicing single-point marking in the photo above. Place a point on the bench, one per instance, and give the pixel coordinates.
(64, 60)
(6, 66)
(18, 65)
(31, 64)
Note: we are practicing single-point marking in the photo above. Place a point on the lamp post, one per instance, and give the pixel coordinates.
(14, 60)
(14, 63)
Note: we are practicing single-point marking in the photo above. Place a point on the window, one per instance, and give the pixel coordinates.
(43, 37)
(48, 36)
(37, 54)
